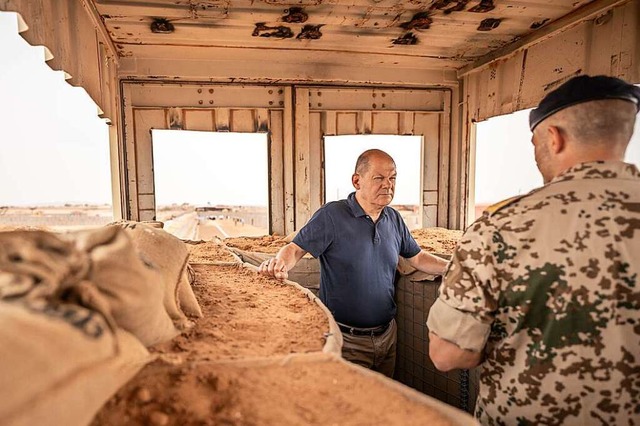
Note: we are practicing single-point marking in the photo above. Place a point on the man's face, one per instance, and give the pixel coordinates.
(542, 154)
(377, 184)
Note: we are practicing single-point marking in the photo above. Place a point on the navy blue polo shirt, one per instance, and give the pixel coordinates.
(358, 260)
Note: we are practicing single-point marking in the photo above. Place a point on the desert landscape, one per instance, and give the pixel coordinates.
(185, 221)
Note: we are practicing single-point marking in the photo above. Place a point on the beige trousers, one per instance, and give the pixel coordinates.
(377, 353)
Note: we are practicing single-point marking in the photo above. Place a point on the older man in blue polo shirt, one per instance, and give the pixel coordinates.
(358, 241)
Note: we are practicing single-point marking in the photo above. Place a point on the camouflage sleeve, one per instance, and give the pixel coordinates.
(465, 308)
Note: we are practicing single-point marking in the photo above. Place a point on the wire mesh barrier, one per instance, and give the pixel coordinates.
(413, 365)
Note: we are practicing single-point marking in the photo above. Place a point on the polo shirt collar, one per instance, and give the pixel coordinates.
(357, 210)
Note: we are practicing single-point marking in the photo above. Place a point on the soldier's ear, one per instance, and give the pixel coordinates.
(557, 142)
(355, 180)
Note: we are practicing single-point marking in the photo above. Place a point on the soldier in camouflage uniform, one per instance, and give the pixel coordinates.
(543, 291)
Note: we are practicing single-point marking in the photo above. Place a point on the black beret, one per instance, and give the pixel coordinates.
(583, 89)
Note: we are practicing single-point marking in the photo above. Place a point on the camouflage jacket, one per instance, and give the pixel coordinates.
(547, 285)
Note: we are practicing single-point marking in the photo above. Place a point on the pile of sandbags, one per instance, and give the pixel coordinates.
(76, 312)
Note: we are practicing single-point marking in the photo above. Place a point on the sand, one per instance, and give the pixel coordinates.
(296, 393)
(437, 240)
(208, 252)
(264, 244)
(246, 315)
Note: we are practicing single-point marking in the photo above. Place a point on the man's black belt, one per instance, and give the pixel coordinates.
(370, 331)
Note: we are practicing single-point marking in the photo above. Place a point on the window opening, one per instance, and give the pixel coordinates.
(211, 184)
(505, 165)
(54, 149)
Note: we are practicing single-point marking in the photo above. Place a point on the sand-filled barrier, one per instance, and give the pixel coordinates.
(210, 252)
(296, 390)
(255, 250)
(247, 315)
(264, 244)
(437, 240)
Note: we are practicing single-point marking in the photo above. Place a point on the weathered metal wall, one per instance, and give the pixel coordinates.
(595, 42)
(296, 119)
(73, 32)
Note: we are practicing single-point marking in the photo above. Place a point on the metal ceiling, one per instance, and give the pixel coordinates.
(449, 33)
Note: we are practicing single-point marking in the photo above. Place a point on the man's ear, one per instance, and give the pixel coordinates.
(556, 139)
(355, 180)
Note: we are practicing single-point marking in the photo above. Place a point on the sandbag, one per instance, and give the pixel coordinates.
(60, 362)
(133, 287)
(170, 256)
(188, 302)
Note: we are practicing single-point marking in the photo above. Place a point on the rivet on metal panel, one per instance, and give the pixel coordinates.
(295, 15)
(199, 90)
(384, 105)
(162, 26)
(319, 104)
(483, 7)
(538, 24)
(406, 39)
(383, 95)
(270, 102)
(280, 92)
(262, 30)
(374, 95)
(489, 24)
(310, 32)
(319, 93)
(211, 102)
(210, 90)
(200, 102)
(271, 92)
(420, 21)
(281, 103)
(374, 106)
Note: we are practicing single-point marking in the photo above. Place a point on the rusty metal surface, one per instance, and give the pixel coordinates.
(456, 31)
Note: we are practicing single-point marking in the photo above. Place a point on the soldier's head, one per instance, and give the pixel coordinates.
(585, 119)
(374, 178)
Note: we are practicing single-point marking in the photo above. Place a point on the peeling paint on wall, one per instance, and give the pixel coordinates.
(295, 15)
(280, 31)
(489, 24)
(420, 21)
(310, 32)
(483, 7)
(406, 39)
(538, 24)
(162, 26)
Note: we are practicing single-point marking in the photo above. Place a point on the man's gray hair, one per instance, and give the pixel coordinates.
(596, 122)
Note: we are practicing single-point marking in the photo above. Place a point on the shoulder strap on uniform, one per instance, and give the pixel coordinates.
(494, 208)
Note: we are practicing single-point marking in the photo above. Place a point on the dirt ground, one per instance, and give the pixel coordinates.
(437, 240)
(208, 252)
(296, 393)
(264, 244)
(246, 315)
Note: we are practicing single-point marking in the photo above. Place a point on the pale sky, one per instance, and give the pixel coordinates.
(204, 168)
(505, 165)
(54, 148)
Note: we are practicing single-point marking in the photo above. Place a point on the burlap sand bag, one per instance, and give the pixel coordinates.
(169, 254)
(133, 287)
(61, 356)
(60, 363)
